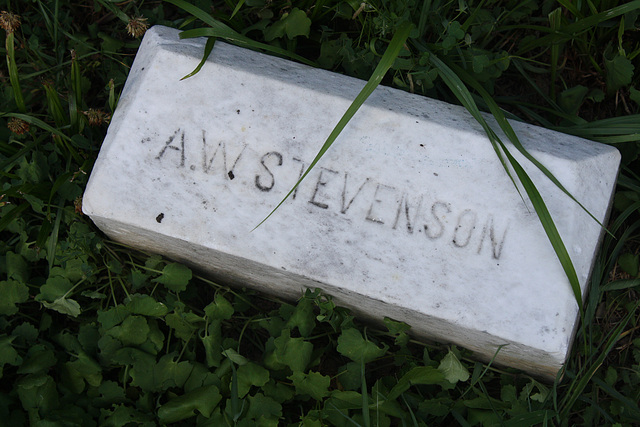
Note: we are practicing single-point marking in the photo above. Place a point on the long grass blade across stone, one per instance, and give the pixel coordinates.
(462, 93)
(396, 44)
(509, 132)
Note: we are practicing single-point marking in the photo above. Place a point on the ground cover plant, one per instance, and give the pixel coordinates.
(94, 333)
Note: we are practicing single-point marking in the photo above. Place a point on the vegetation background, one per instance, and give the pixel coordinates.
(94, 333)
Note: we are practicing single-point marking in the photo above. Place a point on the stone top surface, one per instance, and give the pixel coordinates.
(410, 207)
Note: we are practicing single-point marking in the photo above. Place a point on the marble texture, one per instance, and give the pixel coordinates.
(409, 215)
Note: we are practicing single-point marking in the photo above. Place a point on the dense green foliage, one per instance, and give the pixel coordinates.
(93, 333)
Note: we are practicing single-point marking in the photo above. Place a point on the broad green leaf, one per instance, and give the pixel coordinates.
(417, 376)
(82, 370)
(619, 72)
(65, 306)
(453, 369)
(278, 391)
(123, 416)
(453, 34)
(169, 373)
(109, 348)
(235, 357)
(352, 345)
(113, 316)
(25, 331)
(314, 384)
(8, 355)
(134, 330)
(151, 376)
(12, 293)
(263, 406)
(629, 263)
(183, 328)
(145, 305)
(16, 268)
(399, 329)
(74, 269)
(203, 400)
(249, 375)
(38, 392)
(34, 171)
(54, 288)
(394, 48)
(111, 392)
(175, 277)
(293, 352)
(310, 422)
(219, 309)
(138, 279)
(571, 99)
(212, 342)
(293, 24)
(93, 294)
(38, 360)
(303, 317)
(156, 337)
(154, 262)
(349, 376)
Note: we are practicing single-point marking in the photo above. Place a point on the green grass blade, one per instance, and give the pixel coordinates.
(611, 131)
(510, 133)
(366, 416)
(621, 284)
(7, 162)
(464, 96)
(239, 40)
(385, 63)
(576, 387)
(571, 8)
(218, 29)
(632, 410)
(75, 100)
(580, 26)
(54, 104)
(237, 8)
(11, 215)
(198, 13)
(462, 93)
(53, 239)
(13, 72)
(208, 47)
(37, 122)
(549, 227)
(555, 21)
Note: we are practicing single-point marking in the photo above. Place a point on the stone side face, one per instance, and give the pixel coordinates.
(409, 215)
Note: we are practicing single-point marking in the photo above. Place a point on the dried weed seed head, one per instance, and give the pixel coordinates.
(96, 117)
(9, 21)
(18, 126)
(137, 26)
(77, 205)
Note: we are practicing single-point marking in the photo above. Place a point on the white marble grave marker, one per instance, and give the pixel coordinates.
(409, 215)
